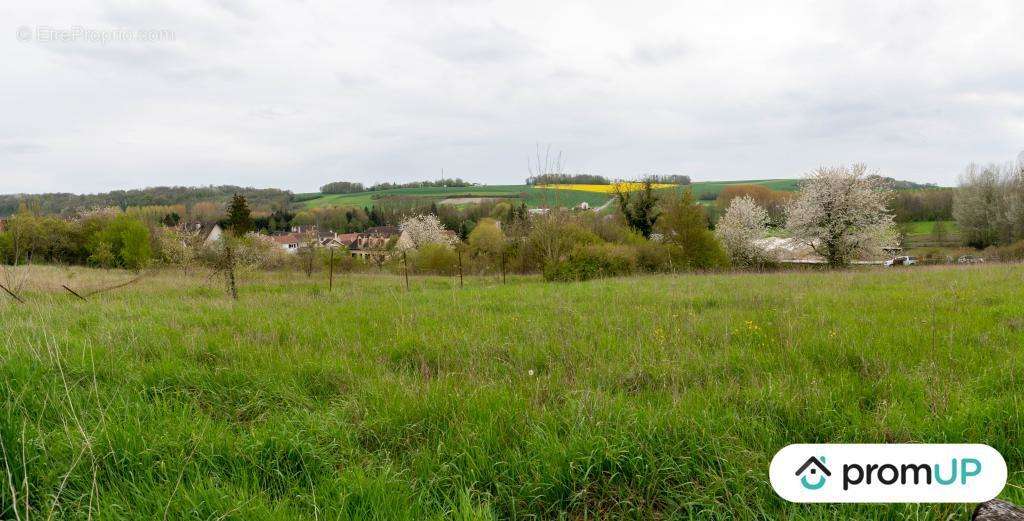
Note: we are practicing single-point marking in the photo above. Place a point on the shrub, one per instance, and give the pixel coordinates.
(691, 244)
(486, 239)
(553, 236)
(1009, 253)
(653, 257)
(344, 262)
(122, 243)
(594, 261)
(434, 258)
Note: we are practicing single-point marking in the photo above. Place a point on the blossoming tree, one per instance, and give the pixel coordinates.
(743, 223)
(841, 212)
(421, 230)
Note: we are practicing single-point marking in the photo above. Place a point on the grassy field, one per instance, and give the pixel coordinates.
(532, 195)
(921, 234)
(658, 397)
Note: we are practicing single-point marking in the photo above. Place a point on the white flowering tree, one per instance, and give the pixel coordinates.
(739, 229)
(841, 213)
(421, 230)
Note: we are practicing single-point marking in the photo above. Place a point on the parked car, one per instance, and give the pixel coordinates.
(902, 260)
(969, 259)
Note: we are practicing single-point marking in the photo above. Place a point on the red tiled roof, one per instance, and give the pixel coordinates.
(290, 238)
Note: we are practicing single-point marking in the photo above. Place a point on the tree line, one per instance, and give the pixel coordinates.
(989, 204)
(349, 187)
(265, 199)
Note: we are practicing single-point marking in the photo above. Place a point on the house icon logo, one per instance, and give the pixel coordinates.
(813, 473)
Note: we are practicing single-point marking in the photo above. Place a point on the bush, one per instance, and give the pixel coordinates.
(123, 243)
(653, 257)
(344, 262)
(554, 236)
(436, 259)
(691, 245)
(594, 261)
(1009, 253)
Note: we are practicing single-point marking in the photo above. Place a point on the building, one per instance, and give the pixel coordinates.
(206, 234)
(339, 240)
(289, 242)
(374, 242)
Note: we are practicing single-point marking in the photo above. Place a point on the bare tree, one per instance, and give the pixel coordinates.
(989, 205)
(842, 213)
(545, 164)
(309, 251)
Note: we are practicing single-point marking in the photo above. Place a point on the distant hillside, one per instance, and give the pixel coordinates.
(269, 199)
(64, 203)
(533, 196)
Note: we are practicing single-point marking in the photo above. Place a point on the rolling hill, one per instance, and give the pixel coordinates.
(533, 196)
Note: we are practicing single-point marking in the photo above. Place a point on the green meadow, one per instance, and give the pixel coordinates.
(532, 196)
(657, 397)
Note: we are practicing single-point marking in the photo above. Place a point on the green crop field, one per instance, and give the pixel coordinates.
(532, 196)
(922, 234)
(927, 227)
(657, 397)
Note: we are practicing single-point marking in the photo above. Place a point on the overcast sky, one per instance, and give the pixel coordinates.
(294, 94)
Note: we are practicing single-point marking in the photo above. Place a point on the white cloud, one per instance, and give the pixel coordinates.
(295, 94)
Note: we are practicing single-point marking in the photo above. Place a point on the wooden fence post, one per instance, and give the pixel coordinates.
(330, 270)
(73, 292)
(460, 268)
(405, 262)
(11, 293)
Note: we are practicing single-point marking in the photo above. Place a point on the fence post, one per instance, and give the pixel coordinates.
(12, 294)
(331, 271)
(73, 292)
(460, 267)
(405, 262)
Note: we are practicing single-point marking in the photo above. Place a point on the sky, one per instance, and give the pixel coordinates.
(98, 95)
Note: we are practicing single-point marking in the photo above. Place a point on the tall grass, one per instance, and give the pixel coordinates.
(656, 397)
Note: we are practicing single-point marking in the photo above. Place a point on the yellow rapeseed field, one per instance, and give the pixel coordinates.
(607, 189)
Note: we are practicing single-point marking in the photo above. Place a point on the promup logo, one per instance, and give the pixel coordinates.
(878, 473)
(810, 468)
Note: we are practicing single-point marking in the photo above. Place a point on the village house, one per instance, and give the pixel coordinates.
(206, 233)
(289, 242)
(339, 240)
(374, 242)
